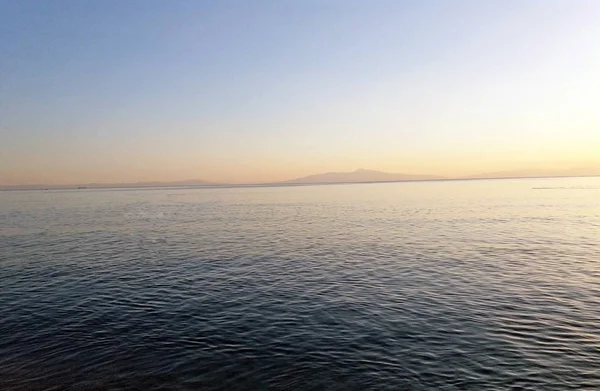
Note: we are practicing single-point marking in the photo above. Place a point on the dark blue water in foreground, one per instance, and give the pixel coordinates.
(470, 285)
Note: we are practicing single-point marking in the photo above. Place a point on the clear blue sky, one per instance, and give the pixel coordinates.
(245, 91)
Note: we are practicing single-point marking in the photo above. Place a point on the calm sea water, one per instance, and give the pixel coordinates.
(468, 285)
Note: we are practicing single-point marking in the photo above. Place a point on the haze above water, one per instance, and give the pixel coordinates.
(460, 285)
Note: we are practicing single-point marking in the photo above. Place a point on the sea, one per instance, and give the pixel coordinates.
(442, 285)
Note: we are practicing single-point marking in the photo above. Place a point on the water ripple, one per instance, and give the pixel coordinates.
(390, 286)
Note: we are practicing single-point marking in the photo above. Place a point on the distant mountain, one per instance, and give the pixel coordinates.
(579, 171)
(360, 175)
(131, 185)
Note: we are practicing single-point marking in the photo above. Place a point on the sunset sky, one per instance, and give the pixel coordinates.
(254, 91)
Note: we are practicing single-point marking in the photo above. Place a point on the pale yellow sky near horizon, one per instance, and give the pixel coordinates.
(236, 173)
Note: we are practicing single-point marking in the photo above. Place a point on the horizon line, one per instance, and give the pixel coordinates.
(166, 185)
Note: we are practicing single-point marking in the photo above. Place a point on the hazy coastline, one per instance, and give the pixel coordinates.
(311, 180)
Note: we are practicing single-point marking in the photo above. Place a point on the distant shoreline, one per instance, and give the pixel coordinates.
(274, 184)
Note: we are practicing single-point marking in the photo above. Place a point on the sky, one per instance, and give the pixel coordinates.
(266, 90)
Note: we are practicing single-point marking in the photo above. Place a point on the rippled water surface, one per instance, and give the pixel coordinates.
(409, 286)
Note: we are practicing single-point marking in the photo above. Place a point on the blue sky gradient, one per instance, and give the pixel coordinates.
(250, 91)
